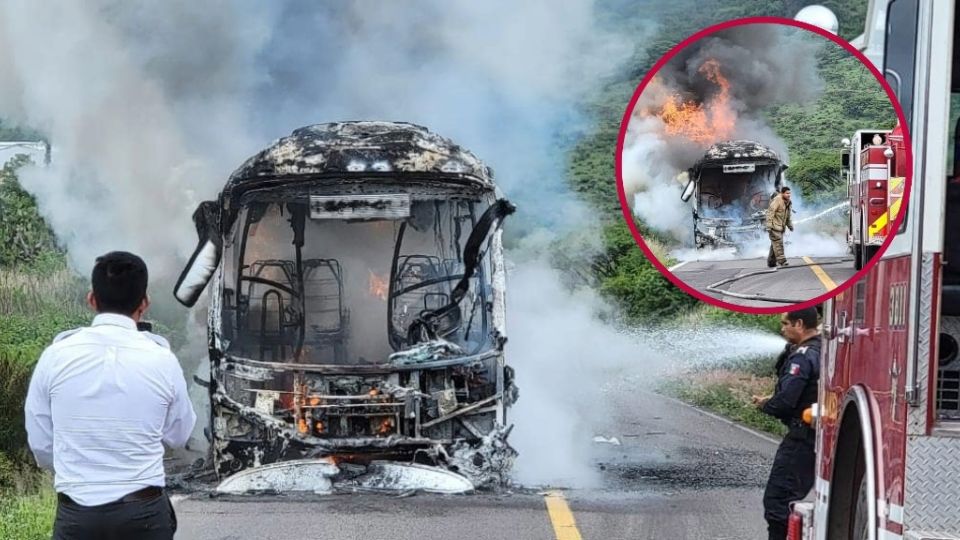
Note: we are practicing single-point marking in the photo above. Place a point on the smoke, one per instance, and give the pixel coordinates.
(714, 90)
(559, 378)
(126, 169)
(565, 383)
(149, 107)
(819, 231)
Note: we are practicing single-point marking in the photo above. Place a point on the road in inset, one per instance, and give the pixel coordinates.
(749, 282)
(677, 473)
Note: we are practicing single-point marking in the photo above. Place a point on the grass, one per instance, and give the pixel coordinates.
(727, 390)
(705, 314)
(27, 499)
(28, 516)
(34, 307)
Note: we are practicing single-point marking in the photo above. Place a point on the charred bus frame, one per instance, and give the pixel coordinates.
(291, 377)
(729, 190)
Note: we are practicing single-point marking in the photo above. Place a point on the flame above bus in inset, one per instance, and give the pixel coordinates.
(704, 122)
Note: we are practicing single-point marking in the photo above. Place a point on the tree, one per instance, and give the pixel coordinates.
(27, 237)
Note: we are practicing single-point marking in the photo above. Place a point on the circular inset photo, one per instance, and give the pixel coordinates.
(763, 164)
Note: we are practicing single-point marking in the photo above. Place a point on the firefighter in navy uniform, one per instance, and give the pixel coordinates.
(798, 372)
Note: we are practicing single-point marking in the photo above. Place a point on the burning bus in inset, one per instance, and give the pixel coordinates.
(729, 190)
(357, 307)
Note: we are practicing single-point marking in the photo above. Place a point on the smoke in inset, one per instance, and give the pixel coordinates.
(712, 91)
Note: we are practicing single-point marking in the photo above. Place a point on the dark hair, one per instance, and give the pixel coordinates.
(119, 281)
(784, 189)
(807, 316)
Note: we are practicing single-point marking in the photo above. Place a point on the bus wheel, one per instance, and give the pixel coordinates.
(861, 516)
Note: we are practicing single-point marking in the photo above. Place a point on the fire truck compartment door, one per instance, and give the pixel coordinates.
(951, 250)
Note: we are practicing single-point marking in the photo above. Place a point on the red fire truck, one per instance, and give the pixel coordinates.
(888, 432)
(874, 164)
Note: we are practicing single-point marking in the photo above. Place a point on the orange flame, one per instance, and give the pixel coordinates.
(702, 122)
(378, 286)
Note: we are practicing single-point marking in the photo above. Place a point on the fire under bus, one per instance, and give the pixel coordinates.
(874, 163)
(729, 190)
(888, 432)
(356, 317)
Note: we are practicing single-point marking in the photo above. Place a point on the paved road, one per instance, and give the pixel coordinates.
(806, 278)
(677, 474)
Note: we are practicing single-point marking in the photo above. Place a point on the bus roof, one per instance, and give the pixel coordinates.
(359, 150)
(737, 151)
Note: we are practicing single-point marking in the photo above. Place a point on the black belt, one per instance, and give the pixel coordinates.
(145, 494)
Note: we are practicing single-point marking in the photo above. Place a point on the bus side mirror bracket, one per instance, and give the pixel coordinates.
(688, 191)
(206, 256)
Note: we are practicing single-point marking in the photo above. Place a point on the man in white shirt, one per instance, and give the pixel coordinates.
(102, 402)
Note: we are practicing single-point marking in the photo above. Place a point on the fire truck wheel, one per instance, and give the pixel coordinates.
(868, 253)
(861, 528)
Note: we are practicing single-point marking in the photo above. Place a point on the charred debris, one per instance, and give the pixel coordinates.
(729, 190)
(356, 312)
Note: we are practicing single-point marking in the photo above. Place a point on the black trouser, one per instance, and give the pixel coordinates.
(791, 478)
(151, 519)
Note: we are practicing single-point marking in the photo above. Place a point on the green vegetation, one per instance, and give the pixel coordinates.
(30, 516)
(644, 295)
(727, 390)
(704, 313)
(39, 298)
(851, 100)
(28, 241)
(33, 309)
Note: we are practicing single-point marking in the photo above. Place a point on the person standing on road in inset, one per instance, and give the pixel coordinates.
(798, 372)
(778, 220)
(102, 403)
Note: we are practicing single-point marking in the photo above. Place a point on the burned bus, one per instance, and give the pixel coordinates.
(729, 190)
(356, 313)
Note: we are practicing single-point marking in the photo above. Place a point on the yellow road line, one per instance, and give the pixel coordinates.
(824, 278)
(564, 526)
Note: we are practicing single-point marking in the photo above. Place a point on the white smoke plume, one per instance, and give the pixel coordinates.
(819, 231)
(564, 382)
(764, 65)
(150, 106)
